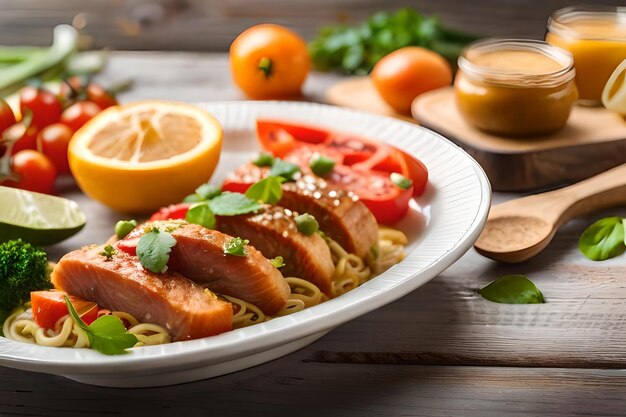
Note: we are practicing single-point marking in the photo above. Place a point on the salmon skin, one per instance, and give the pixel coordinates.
(199, 255)
(273, 231)
(170, 300)
(340, 214)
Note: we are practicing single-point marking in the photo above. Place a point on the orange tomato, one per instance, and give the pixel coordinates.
(269, 61)
(408, 72)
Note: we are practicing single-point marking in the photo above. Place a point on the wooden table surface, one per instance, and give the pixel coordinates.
(439, 351)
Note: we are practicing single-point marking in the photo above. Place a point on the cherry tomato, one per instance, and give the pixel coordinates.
(36, 172)
(79, 113)
(44, 106)
(269, 61)
(54, 141)
(408, 72)
(281, 138)
(7, 118)
(100, 96)
(49, 306)
(27, 141)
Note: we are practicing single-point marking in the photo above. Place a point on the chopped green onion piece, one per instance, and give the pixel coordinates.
(321, 165)
(307, 225)
(264, 160)
(401, 181)
(236, 246)
(124, 227)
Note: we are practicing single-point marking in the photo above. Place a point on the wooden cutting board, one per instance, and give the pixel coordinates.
(593, 140)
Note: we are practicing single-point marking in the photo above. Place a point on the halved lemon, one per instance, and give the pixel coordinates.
(140, 156)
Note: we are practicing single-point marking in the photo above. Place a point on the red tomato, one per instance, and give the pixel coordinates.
(7, 118)
(54, 140)
(171, 212)
(27, 141)
(36, 172)
(79, 113)
(281, 138)
(44, 106)
(417, 172)
(49, 306)
(100, 96)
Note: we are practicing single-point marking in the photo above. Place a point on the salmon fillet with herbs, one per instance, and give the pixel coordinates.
(273, 231)
(119, 282)
(199, 254)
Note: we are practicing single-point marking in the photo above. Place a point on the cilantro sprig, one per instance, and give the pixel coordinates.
(106, 335)
(236, 246)
(153, 250)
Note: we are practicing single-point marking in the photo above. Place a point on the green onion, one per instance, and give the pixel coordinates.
(306, 224)
(321, 165)
(401, 181)
(124, 227)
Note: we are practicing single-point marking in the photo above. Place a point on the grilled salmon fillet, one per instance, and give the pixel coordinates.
(199, 256)
(339, 213)
(170, 300)
(273, 231)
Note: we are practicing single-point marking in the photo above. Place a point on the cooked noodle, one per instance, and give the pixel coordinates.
(350, 272)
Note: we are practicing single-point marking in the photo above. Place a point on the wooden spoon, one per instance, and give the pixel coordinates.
(519, 229)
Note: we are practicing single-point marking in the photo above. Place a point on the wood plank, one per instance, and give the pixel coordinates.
(292, 386)
(211, 25)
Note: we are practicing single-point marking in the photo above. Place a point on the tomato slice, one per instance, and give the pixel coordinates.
(387, 202)
(417, 172)
(171, 212)
(49, 306)
(281, 138)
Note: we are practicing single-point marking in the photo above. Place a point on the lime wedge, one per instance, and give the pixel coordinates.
(36, 218)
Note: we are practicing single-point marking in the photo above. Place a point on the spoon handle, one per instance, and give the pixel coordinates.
(596, 193)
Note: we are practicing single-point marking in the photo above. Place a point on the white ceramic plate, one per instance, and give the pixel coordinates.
(442, 226)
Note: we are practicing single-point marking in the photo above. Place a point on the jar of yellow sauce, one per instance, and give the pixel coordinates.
(596, 37)
(515, 87)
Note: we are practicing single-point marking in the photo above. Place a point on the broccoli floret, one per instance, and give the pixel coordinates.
(23, 268)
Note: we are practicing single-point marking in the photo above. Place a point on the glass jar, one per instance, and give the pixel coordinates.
(596, 37)
(514, 87)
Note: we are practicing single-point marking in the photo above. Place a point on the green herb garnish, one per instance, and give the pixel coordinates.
(193, 198)
(355, 50)
(264, 160)
(124, 227)
(278, 262)
(233, 204)
(400, 181)
(307, 225)
(512, 289)
(208, 191)
(106, 335)
(200, 213)
(284, 169)
(321, 165)
(153, 250)
(108, 252)
(604, 239)
(236, 246)
(268, 190)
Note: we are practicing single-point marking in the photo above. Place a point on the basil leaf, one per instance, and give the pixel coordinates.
(208, 191)
(236, 246)
(284, 169)
(512, 289)
(232, 204)
(200, 213)
(153, 250)
(604, 239)
(106, 335)
(109, 336)
(267, 190)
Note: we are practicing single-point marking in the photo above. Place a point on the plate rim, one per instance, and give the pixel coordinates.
(298, 329)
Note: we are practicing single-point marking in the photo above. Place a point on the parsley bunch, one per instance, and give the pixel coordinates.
(355, 49)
